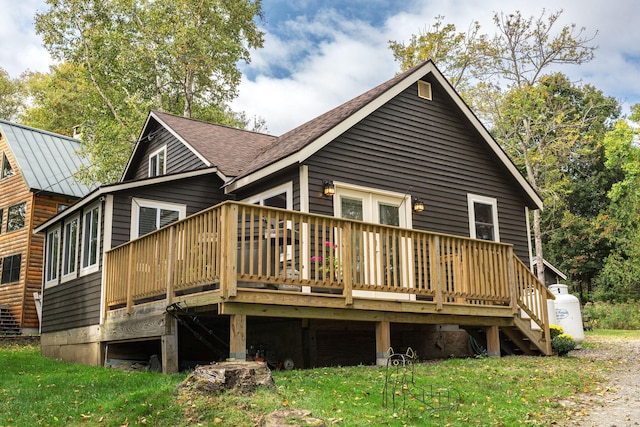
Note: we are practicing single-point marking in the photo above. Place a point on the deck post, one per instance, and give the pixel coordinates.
(493, 341)
(511, 275)
(383, 342)
(170, 263)
(169, 343)
(229, 255)
(130, 278)
(345, 271)
(238, 337)
(436, 268)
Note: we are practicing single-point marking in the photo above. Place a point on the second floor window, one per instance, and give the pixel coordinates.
(158, 162)
(11, 268)
(16, 216)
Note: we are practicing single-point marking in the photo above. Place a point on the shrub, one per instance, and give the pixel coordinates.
(605, 315)
(563, 343)
(555, 330)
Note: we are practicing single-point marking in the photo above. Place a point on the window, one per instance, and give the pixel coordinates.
(158, 162)
(70, 247)
(277, 197)
(149, 215)
(1, 218)
(11, 268)
(7, 170)
(52, 255)
(16, 216)
(90, 237)
(483, 218)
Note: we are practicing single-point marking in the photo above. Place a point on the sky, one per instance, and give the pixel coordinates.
(321, 53)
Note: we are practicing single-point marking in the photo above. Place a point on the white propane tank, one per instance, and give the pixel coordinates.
(568, 312)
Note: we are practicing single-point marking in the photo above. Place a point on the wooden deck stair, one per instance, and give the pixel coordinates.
(518, 338)
(8, 324)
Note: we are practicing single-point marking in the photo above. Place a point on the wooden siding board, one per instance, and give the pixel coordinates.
(197, 193)
(72, 304)
(179, 157)
(430, 148)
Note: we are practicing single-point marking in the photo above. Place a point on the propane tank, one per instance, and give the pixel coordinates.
(567, 308)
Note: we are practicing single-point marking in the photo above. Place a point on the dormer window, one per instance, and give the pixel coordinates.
(7, 170)
(158, 162)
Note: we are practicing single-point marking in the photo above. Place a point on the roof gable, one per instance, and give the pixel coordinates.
(226, 148)
(300, 143)
(48, 161)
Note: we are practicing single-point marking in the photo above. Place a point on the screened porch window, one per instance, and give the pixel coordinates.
(53, 255)
(70, 247)
(90, 237)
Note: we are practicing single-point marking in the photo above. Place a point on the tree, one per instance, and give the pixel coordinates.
(178, 56)
(11, 97)
(619, 279)
(57, 99)
(505, 92)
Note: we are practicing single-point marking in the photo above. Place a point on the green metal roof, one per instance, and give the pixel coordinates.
(47, 161)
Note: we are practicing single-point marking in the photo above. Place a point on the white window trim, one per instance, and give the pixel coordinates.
(93, 267)
(74, 274)
(471, 199)
(162, 149)
(137, 203)
(286, 188)
(52, 282)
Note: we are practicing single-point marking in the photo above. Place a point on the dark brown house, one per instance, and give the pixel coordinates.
(379, 223)
(36, 182)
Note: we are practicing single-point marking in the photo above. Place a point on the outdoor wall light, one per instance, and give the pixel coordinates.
(418, 205)
(328, 188)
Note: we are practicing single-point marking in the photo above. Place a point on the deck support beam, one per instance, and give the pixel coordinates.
(238, 337)
(383, 342)
(169, 343)
(493, 341)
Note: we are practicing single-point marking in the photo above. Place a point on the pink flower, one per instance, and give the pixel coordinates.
(327, 243)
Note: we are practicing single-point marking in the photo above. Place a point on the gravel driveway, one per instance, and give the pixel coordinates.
(618, 403)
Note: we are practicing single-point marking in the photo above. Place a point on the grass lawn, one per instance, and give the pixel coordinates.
(493, 392)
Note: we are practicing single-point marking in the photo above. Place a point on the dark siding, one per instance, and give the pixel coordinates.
(429, 150)
(197, 193)
(72, 304)
(179, 157)
(282, 177)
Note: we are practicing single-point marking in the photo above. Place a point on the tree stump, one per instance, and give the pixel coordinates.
(217, 377)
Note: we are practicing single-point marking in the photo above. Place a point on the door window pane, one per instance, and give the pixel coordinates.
(389, 214)
(351, 208)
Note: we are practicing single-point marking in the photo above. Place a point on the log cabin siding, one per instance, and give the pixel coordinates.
(40, 206)
(197, 193)
(179, 157)
(429, 150)
(72, 304)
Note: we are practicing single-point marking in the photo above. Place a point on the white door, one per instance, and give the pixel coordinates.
(383, 266)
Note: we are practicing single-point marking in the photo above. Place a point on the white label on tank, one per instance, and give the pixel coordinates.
(562, 313)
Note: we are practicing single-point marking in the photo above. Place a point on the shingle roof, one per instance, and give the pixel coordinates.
(298, 138)
(47, 161)
(229, 149)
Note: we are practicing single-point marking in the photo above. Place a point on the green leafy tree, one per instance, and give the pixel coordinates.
(179, 56)
(510, 88)
(619, 279)
(57, 99)
(11, 96)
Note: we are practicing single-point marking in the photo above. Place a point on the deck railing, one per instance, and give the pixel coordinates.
(236, 245)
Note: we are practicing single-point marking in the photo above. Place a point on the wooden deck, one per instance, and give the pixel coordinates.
(258, 261)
